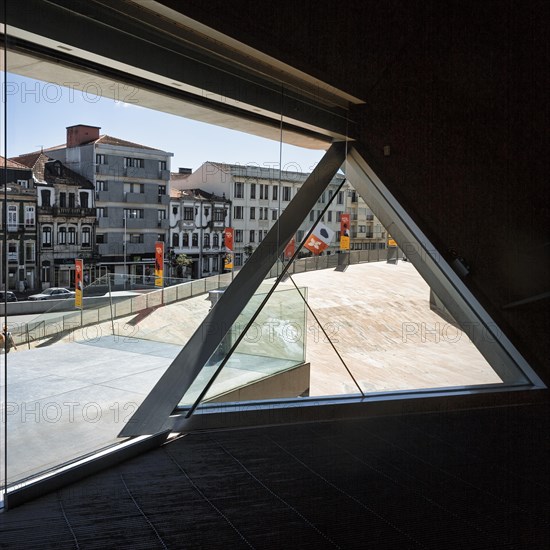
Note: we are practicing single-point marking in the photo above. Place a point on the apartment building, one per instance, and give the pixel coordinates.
(16, 185)
(367, 232)
(258, 195)
(197, 220)
(66, 220)
(132, 185)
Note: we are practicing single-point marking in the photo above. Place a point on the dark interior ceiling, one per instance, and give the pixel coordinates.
(459, 91)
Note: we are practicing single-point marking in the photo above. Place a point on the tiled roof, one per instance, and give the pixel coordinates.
(67, 177)
(110, 140)
(34, 161)
(9, 163)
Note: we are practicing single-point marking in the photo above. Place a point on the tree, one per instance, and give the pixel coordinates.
(181, 263)
(248, 250)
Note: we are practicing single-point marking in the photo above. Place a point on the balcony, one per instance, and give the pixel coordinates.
(164, 175)
(134, 172)
(103, 170)
(163, 199)
(76, 212)
(162, 224)
(140, 198)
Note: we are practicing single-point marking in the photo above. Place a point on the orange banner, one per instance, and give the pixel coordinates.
(320, 239)
(78, 285)
(344, 231)
(159, 263)
(228, 261)
(228, 238)
(290, 249)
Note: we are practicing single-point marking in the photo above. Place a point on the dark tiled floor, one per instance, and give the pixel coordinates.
(465, 480)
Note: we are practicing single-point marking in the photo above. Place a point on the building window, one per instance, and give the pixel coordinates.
(162, 165)
(263, 191)
(287, 193)
(100, 238)
(273, 215)
(133, 213)
(101, 212)
(252, 191)
(29, 252)
(216, 240)
(62, 235)
(161, 237)
(62, 200)
(340, 198)
(238, 235)
(130, 162)
(13, 253)
(275, 192)
(100, 159)
(253, 212)
(30, 218)
(175, 240)
(86, 237)
(312, 216)
(299, 235)
(219, 215)
(13, 221)
(161, 215)
(252, 236)
(185, 240)
(161, 192)
(45, 197)
(72, 200)
(206, 240)
(188, 214)
(71, 235)
(135, 238)
(138, 188)
(238, 190)
(84, 198)
(101, 185)
(214, 263)
(195, 239)
(45, 271)
(330, 215)
(46, 237)
(238, 212)
(238, 259)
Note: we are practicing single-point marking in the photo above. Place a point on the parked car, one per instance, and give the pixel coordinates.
(7, 296)
(54, 293)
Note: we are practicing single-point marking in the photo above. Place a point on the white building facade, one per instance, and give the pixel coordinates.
(259, 195)
(197, 221)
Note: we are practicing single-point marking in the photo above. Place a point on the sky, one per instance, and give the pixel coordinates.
(38, 114)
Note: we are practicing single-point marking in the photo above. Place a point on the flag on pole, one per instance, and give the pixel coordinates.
(78, 270)
(344, 231)
(159, 263)
(320, 239)
(290, 249)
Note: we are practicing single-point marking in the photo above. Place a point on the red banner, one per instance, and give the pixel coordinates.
(344, 231)
(290, 249)
(78, 285)
(159, 263)
(228, 238)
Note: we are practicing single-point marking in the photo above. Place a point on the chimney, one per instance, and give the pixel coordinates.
(80, 133)
(185, 171)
